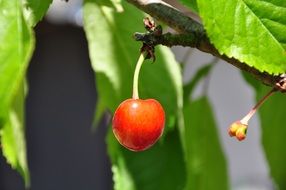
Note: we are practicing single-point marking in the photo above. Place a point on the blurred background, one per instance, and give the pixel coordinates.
(64, 152)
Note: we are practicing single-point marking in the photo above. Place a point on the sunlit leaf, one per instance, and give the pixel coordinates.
(250, 31)
(16, 47)
(35, 10)
(13, 138)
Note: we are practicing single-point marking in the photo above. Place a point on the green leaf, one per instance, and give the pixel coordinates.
(35, 10)
(250, 31)
(206, 164)
(114, 53)
(192, 4)
(160, 167)
(272, 119)
(13, 138)
(16, 47)
(117, 5)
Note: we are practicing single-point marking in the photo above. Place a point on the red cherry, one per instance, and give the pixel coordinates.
(138, 124)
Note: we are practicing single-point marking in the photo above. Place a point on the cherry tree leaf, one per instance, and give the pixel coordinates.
(35, 10)
(13, 138)
(192, 4)
(250, 31)
(206, 164)
(272, 119)
(16, 47)
(117, 5)
(273, 131)
(160, 167)
(17, 43)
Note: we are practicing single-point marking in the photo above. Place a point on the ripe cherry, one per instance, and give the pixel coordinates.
(138, 124)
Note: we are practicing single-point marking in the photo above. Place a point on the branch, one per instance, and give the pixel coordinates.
(191, 34)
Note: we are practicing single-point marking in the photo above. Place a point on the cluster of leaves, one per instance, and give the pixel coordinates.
(184, 157)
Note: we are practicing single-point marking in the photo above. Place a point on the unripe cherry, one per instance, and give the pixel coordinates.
(241, 132)
(239, 128)
(233, 128)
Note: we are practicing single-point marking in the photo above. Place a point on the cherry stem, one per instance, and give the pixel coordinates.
(136, 75)
(255, 108)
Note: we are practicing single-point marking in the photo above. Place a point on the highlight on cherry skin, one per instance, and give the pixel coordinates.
(138, 124)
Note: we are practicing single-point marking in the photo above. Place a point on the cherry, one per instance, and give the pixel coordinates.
(137, 124)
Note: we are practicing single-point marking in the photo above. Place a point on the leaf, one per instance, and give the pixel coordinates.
(161, 167)
(35, 10)
(13, 139)
(117, 5)
(114, 53)
(206, 164)
(272, 124)
(272, 119)
(192, 4)
(250, 31)
(16, 47)
(273, 136)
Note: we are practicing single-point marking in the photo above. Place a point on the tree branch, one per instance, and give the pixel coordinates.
(191, 34)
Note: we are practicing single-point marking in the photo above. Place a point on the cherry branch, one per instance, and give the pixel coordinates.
(191, 34)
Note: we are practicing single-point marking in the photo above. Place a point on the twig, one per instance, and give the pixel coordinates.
(192, 34)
